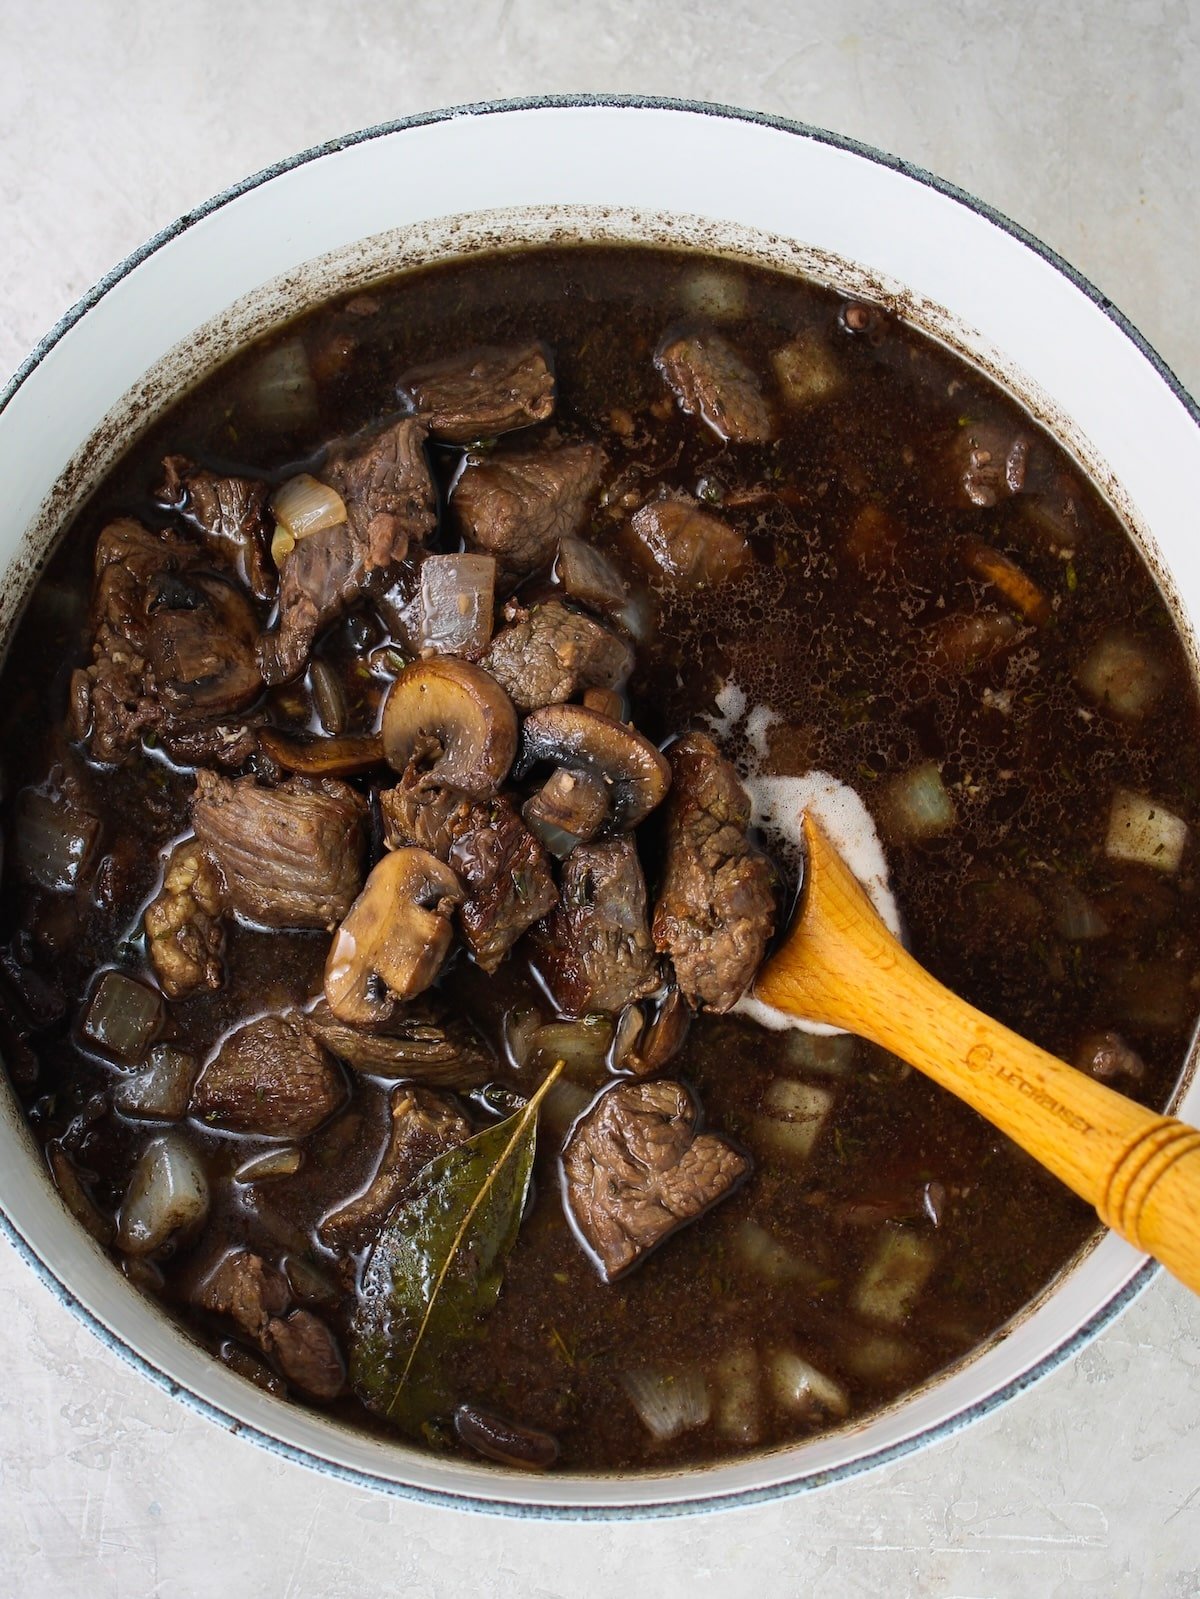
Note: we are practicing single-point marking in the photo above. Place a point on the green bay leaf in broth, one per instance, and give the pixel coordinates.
(437, 1267)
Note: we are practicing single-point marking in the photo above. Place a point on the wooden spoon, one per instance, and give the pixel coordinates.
(839, 964)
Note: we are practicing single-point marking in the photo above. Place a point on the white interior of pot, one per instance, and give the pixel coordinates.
(653, 175)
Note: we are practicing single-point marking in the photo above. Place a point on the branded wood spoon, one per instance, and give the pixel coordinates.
(839, 964)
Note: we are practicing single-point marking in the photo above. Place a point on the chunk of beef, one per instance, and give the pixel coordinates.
(228, 745)
(480, 393)
(200, 645)
(712, 381)
(269, 1077)
(390, 504)
(424, 1125)
(155, 617)
(716, 907)
(637, 1170)
(595, 950)
(184, 935)
(243, 1287)
(428, 817)
(517, 507)
(307, 1354)
(508, 882)
(986, 464)
(419, 1042)
(675, 539)
(290, 856)
(231, 515)
(550, 653)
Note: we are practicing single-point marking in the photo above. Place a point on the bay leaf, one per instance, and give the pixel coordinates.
(437, 1267)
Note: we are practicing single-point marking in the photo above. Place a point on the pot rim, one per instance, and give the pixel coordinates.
(702, 1502)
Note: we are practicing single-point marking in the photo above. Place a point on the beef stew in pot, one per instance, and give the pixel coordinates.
(404, 752)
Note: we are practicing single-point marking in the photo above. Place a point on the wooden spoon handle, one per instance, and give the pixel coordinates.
(841, 965)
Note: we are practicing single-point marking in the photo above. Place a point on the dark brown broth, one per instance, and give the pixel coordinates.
(835, 653)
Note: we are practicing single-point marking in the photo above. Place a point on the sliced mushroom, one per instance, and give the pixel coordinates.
(341, 755)
(397, 935)
(570, 809)
(582, 740)
(455, 721)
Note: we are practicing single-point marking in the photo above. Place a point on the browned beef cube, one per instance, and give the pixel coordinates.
(675, 539)
(550, 653)
(987, 463)
(290, 856)
(480, 393)
(416, 816)
(231, 515)
(269, 1077)
(712, 381)
(423, 1126)
(307, 1354)
(201, 635)
(390, 504)
(508, 882)
(243, 1287)
(595, 950)
(170, 645)
(716, 907)
(636, 1170)
(517, 507)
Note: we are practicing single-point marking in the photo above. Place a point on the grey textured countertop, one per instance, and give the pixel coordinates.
(114, 118)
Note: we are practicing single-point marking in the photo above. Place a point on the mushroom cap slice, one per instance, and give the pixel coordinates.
(581, 739)
(455, 720)
(397, 932)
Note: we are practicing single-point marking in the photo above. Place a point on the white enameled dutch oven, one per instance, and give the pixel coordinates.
(568, 169)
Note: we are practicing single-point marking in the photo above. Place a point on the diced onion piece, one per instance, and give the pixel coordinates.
(122, 1017)
(877, 1357)
(737, 1413)
(582, 1046)
(895, 1276)
(806, 371)
(564, 1104)
(1144, 832)
(626, 1036)
(801, 1388)
(303, 506)
(1123, 677)
(714, 292)
(161, 1090)
(831, 1055)
(770, 1259)
(915, 804)
(53, 843)
(520, 1029)
(668, 1403)
(270, 1164)
(280, 392)
(76, 1197)
(962, 643)
(167, 1195)
(796, 1113)
(282, 545)
(457, 604)
(1076, 917)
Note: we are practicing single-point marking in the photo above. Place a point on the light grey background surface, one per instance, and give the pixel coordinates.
(1083, 123)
